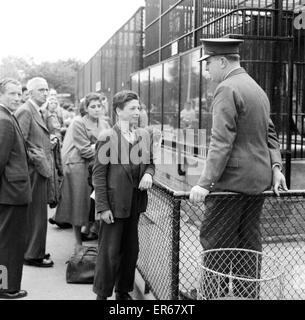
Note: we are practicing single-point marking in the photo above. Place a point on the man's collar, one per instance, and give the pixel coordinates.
(34, 104)
(124, 127)
(231, 71)
(6, 108)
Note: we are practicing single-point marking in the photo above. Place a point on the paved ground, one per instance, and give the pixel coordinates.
(50, 283)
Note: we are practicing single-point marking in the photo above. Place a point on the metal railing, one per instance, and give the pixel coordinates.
(170, 247)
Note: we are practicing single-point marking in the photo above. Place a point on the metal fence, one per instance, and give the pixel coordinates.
(171, 251)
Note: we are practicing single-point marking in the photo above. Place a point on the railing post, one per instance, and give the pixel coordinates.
(175, 249)
(290, 114)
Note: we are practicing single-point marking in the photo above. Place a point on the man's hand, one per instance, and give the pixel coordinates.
(278, 181)
(198, 194)
(36, 154)
(54, 140)
(107, 216)
(146, 182)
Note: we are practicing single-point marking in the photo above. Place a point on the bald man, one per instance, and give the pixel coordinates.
(37, 138)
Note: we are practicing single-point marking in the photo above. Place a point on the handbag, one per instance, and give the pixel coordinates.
(80, 267)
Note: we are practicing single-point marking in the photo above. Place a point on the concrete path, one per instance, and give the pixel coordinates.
(50, 283)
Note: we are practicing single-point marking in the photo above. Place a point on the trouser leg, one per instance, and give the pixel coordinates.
(108, 258)
(249, 264)
(219, 229)
(37, 218)
(130, 250)
(12, 244)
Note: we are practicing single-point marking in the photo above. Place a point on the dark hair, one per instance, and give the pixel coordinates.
(65, 105)
(24, 88)
(122, 97)
(5, 81)
(91, 96)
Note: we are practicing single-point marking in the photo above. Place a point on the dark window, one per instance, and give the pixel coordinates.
(189, 99)
(171, 98)
(144, 86)
(155, 108)
(152, 10)
(152, 37)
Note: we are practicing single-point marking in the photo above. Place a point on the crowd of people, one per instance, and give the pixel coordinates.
(53, 165)
(52, 157)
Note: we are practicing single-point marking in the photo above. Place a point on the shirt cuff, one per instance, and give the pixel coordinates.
(277, 165)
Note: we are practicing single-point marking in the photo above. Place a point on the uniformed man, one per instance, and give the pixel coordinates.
(244, 155)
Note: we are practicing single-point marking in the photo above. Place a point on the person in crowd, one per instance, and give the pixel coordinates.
(51, 118)
(77, 153)
(53, 93)
(52, 122)
(68, 114)
(66, 147)
(90, 231)
(59, 110)
(188, 115)
(243, 157)
(37, 138)
(25, 95)
(15, 191)
(120, 181)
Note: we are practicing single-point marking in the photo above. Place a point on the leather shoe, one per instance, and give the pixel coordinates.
(13, 295)
(61, 225)
(42, 263)
(122, 296)
(89, 237)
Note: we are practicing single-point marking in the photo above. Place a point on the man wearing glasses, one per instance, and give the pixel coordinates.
(38, 142)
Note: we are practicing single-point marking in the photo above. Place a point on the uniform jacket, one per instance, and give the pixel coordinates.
(112, 181)
(244, 145)
(15, 186)
(37, 139)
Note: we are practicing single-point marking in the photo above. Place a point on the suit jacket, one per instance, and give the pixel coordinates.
(112, 177)
(37, 139)
(15, 186)
(244, 145)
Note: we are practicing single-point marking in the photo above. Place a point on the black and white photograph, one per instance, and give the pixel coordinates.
(152, 150)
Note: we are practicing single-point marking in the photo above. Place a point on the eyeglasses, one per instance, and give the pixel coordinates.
(95, 106)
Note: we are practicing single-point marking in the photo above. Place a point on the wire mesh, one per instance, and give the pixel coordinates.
(155, 261)
(239, 274)
(273, 226)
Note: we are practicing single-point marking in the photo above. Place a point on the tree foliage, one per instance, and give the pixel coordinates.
(61, 75)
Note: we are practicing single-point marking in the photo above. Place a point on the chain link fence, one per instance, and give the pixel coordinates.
(174, 235)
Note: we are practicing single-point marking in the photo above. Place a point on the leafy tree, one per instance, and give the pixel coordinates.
(61, 75)
(15, 67)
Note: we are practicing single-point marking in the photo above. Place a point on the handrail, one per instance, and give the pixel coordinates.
(185, 194)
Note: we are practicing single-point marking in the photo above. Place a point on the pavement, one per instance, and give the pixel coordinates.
(50, 283)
